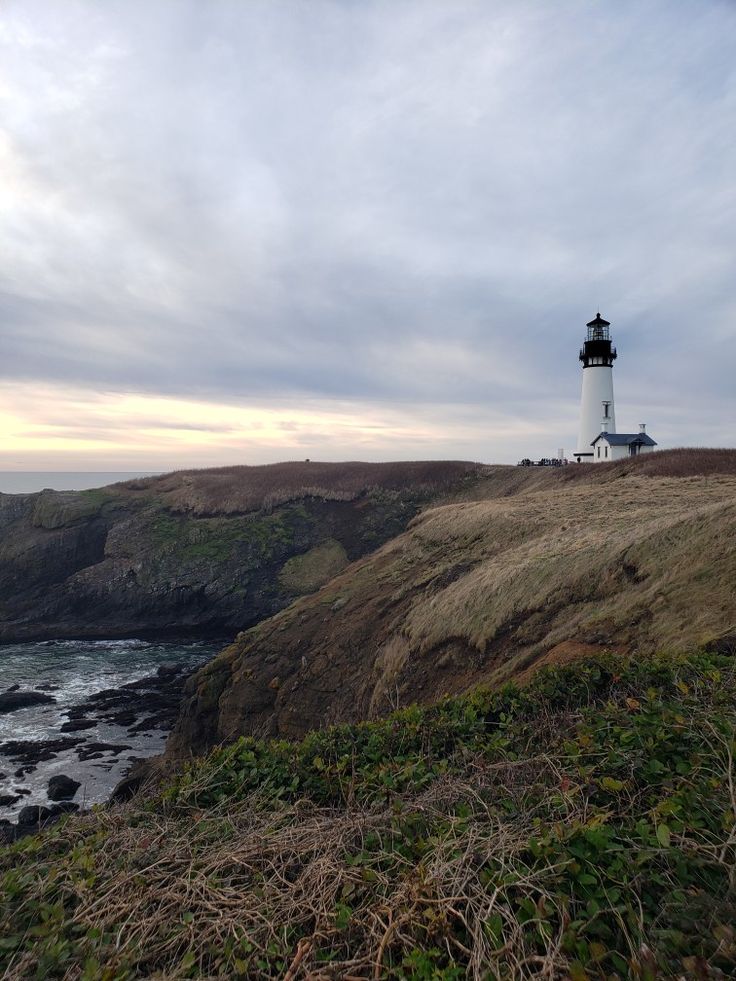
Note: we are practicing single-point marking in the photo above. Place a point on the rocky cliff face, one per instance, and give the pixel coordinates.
(627, 557)
(201, 551)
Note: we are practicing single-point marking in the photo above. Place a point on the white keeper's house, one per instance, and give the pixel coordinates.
(616, 446)
(598, 441)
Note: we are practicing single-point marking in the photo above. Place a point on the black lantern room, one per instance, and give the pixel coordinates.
(598, 348)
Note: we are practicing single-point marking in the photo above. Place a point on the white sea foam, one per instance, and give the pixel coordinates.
(71, 671)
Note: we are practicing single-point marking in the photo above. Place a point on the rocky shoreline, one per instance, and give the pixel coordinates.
(144, 709)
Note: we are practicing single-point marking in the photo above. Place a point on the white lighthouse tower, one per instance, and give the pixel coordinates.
(597, 412)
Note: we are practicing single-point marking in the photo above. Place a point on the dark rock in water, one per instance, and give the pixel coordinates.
(77, 725)
(32, 818)
(33, 814)
(101, 696)
(3, 776)
(11, 689)
(150, 722)
(10, 701)
(7, 799)
(122, 718)
(32, 752)
(153, 683)
(150, 702)
(62, 787)
(92, 750)
(23, 791)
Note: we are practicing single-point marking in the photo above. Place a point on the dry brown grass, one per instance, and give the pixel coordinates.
(686, 462)
(583, 826)
(478, 591)
(681, 462)
(229, 490)
(615, 553)
(264, 870)
(478, 866)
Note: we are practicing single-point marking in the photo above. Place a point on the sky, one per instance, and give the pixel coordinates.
(242, 232)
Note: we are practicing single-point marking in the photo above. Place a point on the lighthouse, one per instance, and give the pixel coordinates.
(597, 408)
(598, 441)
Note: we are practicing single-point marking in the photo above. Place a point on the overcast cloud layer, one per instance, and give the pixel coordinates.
(371, 229)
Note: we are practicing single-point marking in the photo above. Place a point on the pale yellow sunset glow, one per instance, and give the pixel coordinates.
(47, 427)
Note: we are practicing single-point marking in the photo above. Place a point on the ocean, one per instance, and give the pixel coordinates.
(30, 481)
(71, 671)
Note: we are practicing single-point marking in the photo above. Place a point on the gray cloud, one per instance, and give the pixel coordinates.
(404, 201)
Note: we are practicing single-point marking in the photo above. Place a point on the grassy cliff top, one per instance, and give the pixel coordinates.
(583, 826)
(517, 569)
(251, 488)
(240, 489)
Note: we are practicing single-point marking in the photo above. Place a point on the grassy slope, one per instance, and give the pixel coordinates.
(238, 490)
(242, 489)
(200, 550)
(629, 557)
(581, 827)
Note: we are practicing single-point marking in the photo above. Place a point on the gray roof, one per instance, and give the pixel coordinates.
(625, 439)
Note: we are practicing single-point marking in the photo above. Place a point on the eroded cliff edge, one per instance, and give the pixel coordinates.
(634, 557)
(195, 552)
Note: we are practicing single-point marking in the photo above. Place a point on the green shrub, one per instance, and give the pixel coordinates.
(581, 826)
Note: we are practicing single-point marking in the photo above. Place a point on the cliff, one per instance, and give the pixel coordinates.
(578, 819)
(519, 570)
(208, 551)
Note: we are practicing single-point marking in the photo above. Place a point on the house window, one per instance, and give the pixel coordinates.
(606, 451)
(598, 450)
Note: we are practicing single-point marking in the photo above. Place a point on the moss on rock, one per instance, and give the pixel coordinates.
(306, 573)
(55, 509)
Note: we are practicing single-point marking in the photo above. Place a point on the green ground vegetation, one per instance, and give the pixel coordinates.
(307, 572)
(216, 539)
(583, 826)
(55, 509)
